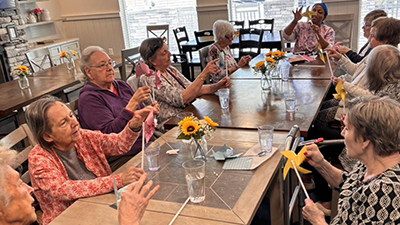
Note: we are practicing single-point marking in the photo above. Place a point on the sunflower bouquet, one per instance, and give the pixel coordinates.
(68, 54)
(192, 127)
(276, 55)
(20, 71)
(267, 64)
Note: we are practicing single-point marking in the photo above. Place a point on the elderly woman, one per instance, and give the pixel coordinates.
(106, 104)
(307, 36)
(176, 91)
(369, 193)
(223, 37)
(16, 200)
(364, 51)
(69, 162)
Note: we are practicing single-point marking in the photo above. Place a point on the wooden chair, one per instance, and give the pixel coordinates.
(73, 106)
(265, 24)
(204, 38)
(39, 59)
(286, 46)
(237, 24)
(182, 37)
(128, 56)
(20, 134)
(203, 54)
(158, 31)
(250, 41)
(342, 24)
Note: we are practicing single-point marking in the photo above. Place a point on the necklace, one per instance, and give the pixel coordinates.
(362, 182)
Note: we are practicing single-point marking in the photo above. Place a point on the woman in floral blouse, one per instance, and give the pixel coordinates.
(175, 91)
(369, 194)
(308, 35)
(70, 163)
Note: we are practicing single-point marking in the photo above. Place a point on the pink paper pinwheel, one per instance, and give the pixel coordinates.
(150, 126)
(142, 69)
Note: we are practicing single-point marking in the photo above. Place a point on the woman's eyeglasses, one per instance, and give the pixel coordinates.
(366, 25)
(104, 66)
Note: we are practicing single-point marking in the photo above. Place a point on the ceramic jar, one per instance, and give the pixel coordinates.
(45, 15)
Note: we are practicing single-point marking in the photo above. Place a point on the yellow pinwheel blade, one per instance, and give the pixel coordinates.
(302, 170)
(290, 157)
(339, 87)
(337, 97)
(301, 157)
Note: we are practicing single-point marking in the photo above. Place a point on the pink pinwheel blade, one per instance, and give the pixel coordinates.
(141, 69)
(158, 79)
(150, 126)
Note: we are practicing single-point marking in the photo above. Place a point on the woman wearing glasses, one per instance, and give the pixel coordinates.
(107, 104)
(223, 36)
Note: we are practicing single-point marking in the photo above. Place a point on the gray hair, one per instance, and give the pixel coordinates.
(387, 29)
(7, 158)
(221, 28)
(383, 67)
(374, 14)
(85, 58)
(36, 116)
(377, 120)
(148, 49)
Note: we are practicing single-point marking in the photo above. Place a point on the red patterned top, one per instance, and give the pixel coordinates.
(52, 187)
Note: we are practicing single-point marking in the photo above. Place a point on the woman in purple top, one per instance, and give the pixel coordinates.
(307, 35)
(107, 104)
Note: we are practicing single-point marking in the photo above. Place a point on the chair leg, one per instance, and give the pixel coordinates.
(192, 73)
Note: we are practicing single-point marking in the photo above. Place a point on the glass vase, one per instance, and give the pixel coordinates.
(70, 64)
(23, 82)
(265, 82)
(198, 148)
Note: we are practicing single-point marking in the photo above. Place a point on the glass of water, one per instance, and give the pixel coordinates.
(290, 101)
(266, 135)
(224, 97)
(152, 151)
(194, 174)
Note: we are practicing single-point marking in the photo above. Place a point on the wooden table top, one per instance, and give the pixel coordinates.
(315, 70)
(249, 107)
(232, 197)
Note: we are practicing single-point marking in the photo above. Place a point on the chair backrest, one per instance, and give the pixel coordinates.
(128, 56)
(73, 106)
(265, 24)
(184, 63)
(39, 59)
(250, 41)
(343, 26)
(181, 37)
(158, 31)
(203, 54)
(22, 133)
(286, 46)
(204, 38)
(237, 24)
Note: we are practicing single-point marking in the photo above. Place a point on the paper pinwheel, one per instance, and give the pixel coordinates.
(297, 160)
(308, 13)
(341, 93)
(321, 52)
(142, 69)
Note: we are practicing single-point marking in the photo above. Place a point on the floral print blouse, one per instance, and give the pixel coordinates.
(225, 55)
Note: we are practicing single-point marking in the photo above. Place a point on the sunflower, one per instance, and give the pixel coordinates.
(276, 54)
(22, 68)
(268, 54)
(62, 54)
(269, 60)
(260, 64)
(73, 52)
(210, 122)
(189, 127)
(188, 118)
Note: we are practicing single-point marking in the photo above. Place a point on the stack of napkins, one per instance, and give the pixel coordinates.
(225, 153)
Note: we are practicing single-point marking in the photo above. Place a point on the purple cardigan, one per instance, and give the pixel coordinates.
(103, 110)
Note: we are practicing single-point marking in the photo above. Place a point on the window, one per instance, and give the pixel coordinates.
(281, 11)
(137, 14)
(391, 7)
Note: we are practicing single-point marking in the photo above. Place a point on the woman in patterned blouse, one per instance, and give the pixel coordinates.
(307, 36)
(176, 91)
(70, 163)
(369, 194)
(223, 37)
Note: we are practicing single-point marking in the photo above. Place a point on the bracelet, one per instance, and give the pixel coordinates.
(135, 129)
(202, 78)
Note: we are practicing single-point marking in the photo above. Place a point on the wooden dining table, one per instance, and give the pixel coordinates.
(250, 107)
(232, 196)
(314, 70)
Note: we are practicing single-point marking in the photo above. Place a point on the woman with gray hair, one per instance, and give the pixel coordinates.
(69, 162)
(107, 104)
(368, 193)
(223, 37)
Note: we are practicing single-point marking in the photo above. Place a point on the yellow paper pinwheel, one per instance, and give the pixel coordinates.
(308, 13)
(297, 159)
(341, 93)
(320, 52)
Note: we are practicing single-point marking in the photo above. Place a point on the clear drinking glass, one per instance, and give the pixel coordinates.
(290, 101)
(266, 135)
(224, 97)
(194, 174)
(152, 151)
(285, 71)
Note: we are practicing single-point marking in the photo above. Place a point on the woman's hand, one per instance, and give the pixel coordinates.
(134, 202)
(335, 80)
(244, 61)
(138, 117)
(131, 175)
(297, 14)
(343, 49)
(211, 68)
(312, 214)
(156, 107)
(332, 53)
(224, 83)
(142, 94)
(315, 28)
(314, 156)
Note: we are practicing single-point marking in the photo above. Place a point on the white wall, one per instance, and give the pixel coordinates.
(208, 11)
